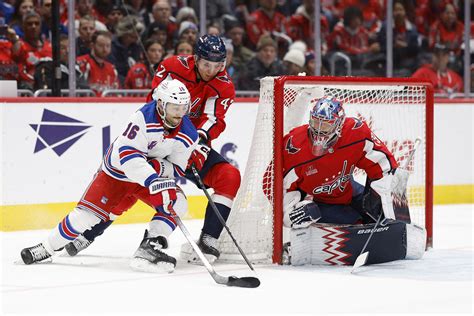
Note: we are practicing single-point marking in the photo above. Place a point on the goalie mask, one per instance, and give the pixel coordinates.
(172, 102)
(325, 124)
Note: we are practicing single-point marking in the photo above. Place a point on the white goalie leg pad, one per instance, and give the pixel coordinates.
(74, 224)
(162, 225)
(300, 248)
(416, 241)
(383, 187)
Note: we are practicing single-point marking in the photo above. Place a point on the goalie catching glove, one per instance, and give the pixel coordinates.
(163, 194)
(299, 214)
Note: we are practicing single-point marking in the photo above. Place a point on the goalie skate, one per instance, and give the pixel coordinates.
(208, 246)
(35, 254)
(77, 245)
(150, 258)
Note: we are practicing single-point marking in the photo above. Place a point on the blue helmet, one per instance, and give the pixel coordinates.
(325, 124)
(211, 48)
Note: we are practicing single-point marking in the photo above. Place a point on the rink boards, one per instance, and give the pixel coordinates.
(51, 150)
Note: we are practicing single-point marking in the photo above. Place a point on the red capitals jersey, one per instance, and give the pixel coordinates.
(100, 76)
(210, 100)
(350, 43)
(327, 178)
(448, 82)
(8, 67)
(451, 38)
(299, 27)
(138, 77)
(262, 22)
(28, 56)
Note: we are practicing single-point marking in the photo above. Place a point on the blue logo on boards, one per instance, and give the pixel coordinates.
(58, 132)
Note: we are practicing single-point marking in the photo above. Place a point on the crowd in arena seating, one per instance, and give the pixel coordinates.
(120, 42)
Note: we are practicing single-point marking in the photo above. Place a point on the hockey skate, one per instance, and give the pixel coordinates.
(35, 254)
(150, 258)
(77, 245)
(208, 246)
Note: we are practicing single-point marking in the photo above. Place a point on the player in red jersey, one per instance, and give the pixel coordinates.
(212, 92)
(318, 163)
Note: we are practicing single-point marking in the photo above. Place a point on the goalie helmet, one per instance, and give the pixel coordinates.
(172, 102)
(325, 124)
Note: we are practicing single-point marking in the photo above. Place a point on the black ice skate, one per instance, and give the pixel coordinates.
(77, 245)
(35, 254)
(208, 246)
(150, 258)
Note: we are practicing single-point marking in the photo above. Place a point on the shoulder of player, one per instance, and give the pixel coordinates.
(354, 131)
(181, 66)
(223, 85)
(148, 111)
(187, 130)
(296, 138)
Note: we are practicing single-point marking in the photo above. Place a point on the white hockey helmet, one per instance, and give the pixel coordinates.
(172, 101)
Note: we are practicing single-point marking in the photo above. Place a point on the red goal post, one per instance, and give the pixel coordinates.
(398, 110)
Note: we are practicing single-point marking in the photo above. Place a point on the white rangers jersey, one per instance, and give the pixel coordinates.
(145, 138)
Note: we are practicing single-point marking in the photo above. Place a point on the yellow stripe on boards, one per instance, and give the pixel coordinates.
(45, 216)
(454, 194)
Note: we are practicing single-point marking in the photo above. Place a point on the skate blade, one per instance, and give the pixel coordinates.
(143, 265)
(45, 261)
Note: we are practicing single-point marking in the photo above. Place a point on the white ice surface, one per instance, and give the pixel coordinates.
(99, 281)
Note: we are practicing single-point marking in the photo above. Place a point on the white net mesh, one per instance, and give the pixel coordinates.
(395, 113)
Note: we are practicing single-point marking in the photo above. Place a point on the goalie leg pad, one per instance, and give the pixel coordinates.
(342, 244)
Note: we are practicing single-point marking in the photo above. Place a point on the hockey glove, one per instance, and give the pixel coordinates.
(304, 214)
(163, 194)
(199, 156)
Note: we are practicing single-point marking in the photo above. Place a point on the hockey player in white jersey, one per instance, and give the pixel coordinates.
(142, 163)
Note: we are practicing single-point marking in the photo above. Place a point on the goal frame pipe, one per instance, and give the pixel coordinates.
(278, 103)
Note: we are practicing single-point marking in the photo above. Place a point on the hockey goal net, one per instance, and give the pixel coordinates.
(397, 110)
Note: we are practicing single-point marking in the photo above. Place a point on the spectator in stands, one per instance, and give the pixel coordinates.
(213, 29)
(83, 8)
(29, 50)
(44, 72)
(44, 10)
(265, 63)
(113, 17)
(21, 8)
(161, 15)
(215, 10)
(188, 31)
(444, 80)
(231, 69)
(448, 30)
(265, 20)
(8, 67)
(135, 8)
(350, 37)
(99, 73)
(6, 11)
(158, 31)
(241, 55)
(140, 75)
(102, 9)
(186, 14)
(405, 40)
(86, 30)
(184, 48)
(293, 62)
(300, 26)
(125, 48)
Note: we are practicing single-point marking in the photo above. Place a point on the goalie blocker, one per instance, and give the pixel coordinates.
(341, 244)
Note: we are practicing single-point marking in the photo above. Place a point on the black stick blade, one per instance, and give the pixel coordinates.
(249, 282)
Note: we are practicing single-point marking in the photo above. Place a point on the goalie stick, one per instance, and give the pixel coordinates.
(221, 219)
(249, 282)
(362, 258)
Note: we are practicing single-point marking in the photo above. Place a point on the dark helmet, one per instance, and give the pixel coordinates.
(211, 48)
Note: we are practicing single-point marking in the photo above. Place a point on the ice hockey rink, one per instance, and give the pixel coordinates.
(99, 281)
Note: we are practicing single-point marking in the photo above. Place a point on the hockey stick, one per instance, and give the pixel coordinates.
(362, 258)
(221, 219)
(249, 282)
